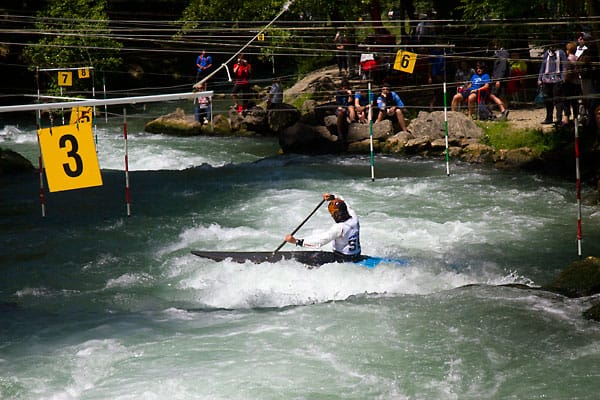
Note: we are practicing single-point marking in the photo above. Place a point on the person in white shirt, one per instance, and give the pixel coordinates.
(345, 234)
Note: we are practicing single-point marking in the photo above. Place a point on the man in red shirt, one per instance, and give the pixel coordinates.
(241, 71)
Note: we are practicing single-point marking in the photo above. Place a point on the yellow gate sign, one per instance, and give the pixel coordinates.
(405, 61)
(65, 78)
(70, 157)
(81, 115)
(83, 73)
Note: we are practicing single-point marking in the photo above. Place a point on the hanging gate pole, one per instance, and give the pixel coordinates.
(446, 118)
(578, 188)
(371, 133)
(446, 132)
(127, 196)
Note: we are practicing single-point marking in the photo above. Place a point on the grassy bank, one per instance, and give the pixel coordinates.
(501, 135)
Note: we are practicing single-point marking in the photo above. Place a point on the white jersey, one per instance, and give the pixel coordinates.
(345, 236)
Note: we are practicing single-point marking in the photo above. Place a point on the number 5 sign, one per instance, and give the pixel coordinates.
(405, 61)
(70, 157)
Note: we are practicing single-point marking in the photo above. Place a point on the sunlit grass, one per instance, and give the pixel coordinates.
(499, 135)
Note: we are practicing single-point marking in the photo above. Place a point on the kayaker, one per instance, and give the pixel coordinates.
(345, 234)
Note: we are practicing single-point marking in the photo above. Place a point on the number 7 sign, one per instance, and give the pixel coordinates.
(65, 78)
(70, 157)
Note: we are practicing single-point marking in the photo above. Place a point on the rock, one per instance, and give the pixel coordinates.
(513, 158)
(364, 146)
(581, 278)
(593, 313)
(477, 153)
(381, 131)
(417, 145)
(433, 125)
(395, 143)
(281, 116)
(176, 123)
(254, 120)
(221, 125)
(308, 139)
(12, 163)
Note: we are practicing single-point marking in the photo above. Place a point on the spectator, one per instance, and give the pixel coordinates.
(344, 110)
(390, 104)
(463, 75)
(572, 88)
(203, 65)
(499, 74)
(516, 81)
(242, 70)
(341, 55)
(551, 78)
(202, 112)
(475, 91)
(361, 106)
(275, 94)
(586, 58)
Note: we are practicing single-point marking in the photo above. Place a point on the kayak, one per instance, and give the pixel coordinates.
(309, 258)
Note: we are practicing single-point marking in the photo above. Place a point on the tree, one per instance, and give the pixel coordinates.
(73, 33)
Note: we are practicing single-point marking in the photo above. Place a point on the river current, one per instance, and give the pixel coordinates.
(98, 305)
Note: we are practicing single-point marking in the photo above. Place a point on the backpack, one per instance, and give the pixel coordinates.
(483, 112)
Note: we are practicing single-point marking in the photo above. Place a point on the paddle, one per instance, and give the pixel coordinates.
(302, 223)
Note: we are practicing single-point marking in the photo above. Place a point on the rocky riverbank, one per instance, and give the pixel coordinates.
(306, 124)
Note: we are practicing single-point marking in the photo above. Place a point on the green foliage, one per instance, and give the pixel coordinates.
(75, 34)
(500, 136)
(299, 101)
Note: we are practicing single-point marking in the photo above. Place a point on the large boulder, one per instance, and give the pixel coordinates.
(581, 278)
(176, 123)
(433, 125)
(281, 116)
(303, 138)
(13, 163)
(381, 131)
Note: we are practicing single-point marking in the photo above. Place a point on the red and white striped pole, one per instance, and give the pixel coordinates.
(578, 189)
(127, 196)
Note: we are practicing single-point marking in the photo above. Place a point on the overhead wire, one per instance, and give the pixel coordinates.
(308, 38)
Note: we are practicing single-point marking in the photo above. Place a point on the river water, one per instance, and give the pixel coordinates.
(98, 305)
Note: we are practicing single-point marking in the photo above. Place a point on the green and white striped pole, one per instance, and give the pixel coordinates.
(371, 134)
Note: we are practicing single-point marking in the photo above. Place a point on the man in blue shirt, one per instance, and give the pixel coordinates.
(475, 91)
(203, 64)
(390, 104)
(361, 105)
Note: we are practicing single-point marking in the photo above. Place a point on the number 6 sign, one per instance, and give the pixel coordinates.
(405, 61)
(70, 157)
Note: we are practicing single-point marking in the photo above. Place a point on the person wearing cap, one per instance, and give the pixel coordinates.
(345, 233)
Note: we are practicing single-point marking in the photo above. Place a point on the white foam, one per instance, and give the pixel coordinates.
(128, 280)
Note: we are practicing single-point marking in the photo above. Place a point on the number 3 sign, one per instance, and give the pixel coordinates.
(70, 157)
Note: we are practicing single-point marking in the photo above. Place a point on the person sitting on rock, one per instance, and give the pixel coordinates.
(361, 106)
(390, 104)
